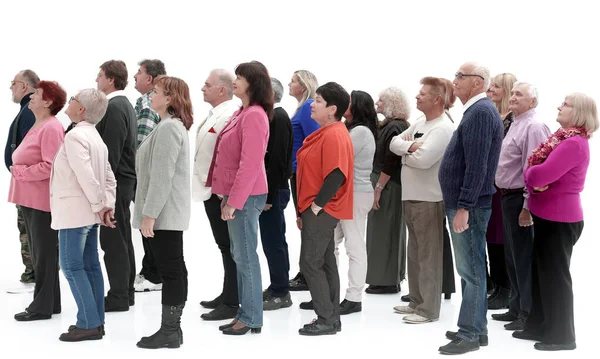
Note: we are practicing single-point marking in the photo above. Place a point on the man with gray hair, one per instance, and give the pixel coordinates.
(523, 137)
(22, 87)
(466, 176)
(218, 92)
(148, 279)
(278, 164)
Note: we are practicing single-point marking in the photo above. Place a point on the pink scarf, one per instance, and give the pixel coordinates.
(543, 151)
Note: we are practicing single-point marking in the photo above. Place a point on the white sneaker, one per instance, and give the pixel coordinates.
(138, 279)
(21, 288)
(417, 319)
(146, 286)
(404, 309)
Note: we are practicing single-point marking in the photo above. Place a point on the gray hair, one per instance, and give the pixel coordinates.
(484, 72)
(226, 79)
(30, 78)
(95, 104)
(153, 68)
(531, 90)
(277, 89)
(395, 103)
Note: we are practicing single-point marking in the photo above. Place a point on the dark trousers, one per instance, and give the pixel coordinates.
(518, 248)
(272, 234)
(119, 257)
(551, 315)
(317, 263)
(497, 259)
(149, 269)
(448, 282)
(220, 231)
(43, 244)
(168, 252)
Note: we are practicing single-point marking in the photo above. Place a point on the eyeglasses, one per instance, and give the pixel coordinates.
(460, 75)
(73, 99)
(565, 104)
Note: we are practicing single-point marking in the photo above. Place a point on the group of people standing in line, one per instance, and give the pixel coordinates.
(499, 174)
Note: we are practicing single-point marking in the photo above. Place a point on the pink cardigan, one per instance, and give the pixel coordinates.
(237, 169)
(32, 163)
(564, 173)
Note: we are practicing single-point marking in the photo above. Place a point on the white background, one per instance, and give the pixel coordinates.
(361, 45)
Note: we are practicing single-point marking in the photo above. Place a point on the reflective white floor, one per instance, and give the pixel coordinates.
(377, 330)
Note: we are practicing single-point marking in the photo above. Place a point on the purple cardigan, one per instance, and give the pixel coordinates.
(564, 173)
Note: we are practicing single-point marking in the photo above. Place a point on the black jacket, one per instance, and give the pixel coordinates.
(278, 159)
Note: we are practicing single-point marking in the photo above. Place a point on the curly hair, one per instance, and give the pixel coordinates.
(395, 103)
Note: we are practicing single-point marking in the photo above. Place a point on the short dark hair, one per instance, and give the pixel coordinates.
(363, 112)
(334, 94)
(154, 67)
(116, 70)
(260, 91)
(52, 91)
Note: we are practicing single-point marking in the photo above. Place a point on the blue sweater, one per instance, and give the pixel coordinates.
(469, 164)
(303, 125)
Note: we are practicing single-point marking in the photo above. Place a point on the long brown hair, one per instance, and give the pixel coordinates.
(180, 105)
(260, 91)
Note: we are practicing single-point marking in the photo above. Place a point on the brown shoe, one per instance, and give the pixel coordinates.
(79, 334)
(73, 327)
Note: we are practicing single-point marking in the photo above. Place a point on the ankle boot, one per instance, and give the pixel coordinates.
(169, 335)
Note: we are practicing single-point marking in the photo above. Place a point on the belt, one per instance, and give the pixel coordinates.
(505, 191)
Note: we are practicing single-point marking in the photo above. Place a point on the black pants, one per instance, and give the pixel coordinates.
(448, 283)
(149, 270)
(168, 252)
(272, 234)
(551, 314)
(518, 248)
(119, 257)
(318, 264)
(43, 245)
(497, 259)
(212, 206)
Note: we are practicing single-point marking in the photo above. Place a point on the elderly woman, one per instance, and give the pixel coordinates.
(302, 87)
(361, 121)
(82, 195)
(241, 179)
(163, 201)
(499, 282)
(325, 196)
(555, 178)
(386, 227)
(30, 189)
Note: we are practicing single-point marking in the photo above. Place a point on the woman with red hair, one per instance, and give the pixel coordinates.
(163, 200)
(30, 189)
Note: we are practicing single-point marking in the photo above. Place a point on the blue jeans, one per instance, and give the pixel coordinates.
(469, 249)
(78, 251)
(243, 233)
(272, 234)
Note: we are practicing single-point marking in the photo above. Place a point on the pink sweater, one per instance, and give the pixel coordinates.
(32, 163)
(564, 173)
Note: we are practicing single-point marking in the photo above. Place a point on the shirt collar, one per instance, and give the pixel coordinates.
(115, 94)
(25, 100)
(472, 101)
(525, 115)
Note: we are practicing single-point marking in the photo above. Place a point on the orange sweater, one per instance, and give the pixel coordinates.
(323, 151)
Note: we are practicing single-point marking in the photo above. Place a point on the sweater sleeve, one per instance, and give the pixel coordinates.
(331, 185)
(50, 140)
(477, 136)
(113, 130)
(400, 147)
(561, 160)
(167, 146)
(278, 155)
(431, 151)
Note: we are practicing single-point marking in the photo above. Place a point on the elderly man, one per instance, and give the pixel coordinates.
(466, 177)
(218, 92)
(148, 279)
(422, 146)
(278, 164)
(118, 129)
(523, 137)
(22, 87)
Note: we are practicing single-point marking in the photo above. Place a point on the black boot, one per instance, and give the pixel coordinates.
(169, 335)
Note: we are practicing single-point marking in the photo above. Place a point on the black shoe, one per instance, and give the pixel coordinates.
(459, 346)
(337, 325)
(525, 335)
(554, 347)
(169, 335)
(518, 324)
(212, 304)
(500, 299)
(298, 283)
(222, 312)
(27, 316)
(274, 303)
(405, 298)
(383, 289)
(307, 305)
(504, 317)
(349, 307)
(225, 326)
(483, 338)
(241, 331)
(315, 328)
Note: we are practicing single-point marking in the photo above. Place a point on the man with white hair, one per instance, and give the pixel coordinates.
(523, 137)
(22, 87)
(218, 92)
(466, 177)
